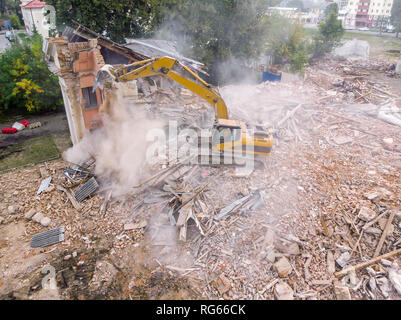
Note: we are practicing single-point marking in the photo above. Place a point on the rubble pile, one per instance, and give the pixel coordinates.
(353, 49)
(350, 82)
(174, 104)
(321, 220)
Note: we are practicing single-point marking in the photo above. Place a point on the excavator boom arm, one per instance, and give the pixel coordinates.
(164, 67)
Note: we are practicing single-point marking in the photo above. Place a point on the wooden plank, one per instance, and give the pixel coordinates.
(367, 263)
(384, 234)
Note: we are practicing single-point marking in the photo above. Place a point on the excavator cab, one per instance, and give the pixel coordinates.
(225, 135)
(240, 137)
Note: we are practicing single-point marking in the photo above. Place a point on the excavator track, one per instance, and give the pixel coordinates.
(209, 157)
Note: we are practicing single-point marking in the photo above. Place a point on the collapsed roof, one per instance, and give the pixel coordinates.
(135, 50)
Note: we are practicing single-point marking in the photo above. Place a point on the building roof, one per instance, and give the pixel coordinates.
(152, 48)
(283, 8)
(82, 33)
(136, 49)
(160, 48)
(35, 4)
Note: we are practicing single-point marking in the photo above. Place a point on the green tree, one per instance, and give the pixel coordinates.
(329, 35)
(10, 10)
(333, 7)
(116, 19)
(396, 16)
(286, 42)
(8, 7)
(15, 21)
(214, 31)
(26, 84)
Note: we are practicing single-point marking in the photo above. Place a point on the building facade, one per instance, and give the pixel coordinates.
(33, 14)
(380, 12)
(76, 57)
(366, 13)
(291, 13)
(76, 65)
(312, 16)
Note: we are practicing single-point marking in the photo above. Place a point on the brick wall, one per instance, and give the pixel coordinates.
(79, 63)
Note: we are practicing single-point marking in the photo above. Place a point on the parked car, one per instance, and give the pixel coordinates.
(10, 36)
(390, 29)
(364, 29)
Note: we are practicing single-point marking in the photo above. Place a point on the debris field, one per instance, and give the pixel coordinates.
(320, 220)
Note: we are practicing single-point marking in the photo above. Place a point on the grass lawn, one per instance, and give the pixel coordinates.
(31, 151)
(62, 141)
(380, 46)
(384, 45)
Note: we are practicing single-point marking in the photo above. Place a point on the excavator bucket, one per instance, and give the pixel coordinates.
(103, 76)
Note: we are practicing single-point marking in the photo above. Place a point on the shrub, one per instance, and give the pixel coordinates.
(26, 84)
(329, 35)
(286, 42)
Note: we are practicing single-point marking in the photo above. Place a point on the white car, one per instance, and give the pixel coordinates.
(10, 36)
(364, 29)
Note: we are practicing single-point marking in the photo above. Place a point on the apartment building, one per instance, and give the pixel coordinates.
(380, 12)
(365, 13)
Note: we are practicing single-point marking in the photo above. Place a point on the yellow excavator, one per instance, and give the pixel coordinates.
(228, 136)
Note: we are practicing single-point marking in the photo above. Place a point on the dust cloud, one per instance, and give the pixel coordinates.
(119, 147)
(263, 103)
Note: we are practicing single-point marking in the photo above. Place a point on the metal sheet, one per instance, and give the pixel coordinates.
(48, 238)
(86, 190)
(44, 185)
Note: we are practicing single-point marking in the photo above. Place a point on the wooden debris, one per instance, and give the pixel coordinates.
(367, 263)
(384, 234)
(70, 197)
(312, 187)
(103, 207)
(288, 116)
(324, 225)
(306, 268)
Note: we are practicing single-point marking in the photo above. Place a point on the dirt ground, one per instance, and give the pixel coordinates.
(327, 160)
(86, 274)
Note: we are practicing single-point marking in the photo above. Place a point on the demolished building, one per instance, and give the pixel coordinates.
(77, 55)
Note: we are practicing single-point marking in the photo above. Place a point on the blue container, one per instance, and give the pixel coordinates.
(267, 76)
(7, 24)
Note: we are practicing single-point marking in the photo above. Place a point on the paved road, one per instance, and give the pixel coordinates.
(384, 34)
(4, 43)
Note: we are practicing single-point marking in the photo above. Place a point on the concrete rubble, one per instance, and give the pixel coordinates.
(366, 214)
(353, 49)
(395, 279)
(283, 291)
(283, 267)
(342, 293)
(307, 226)
(398, 67)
